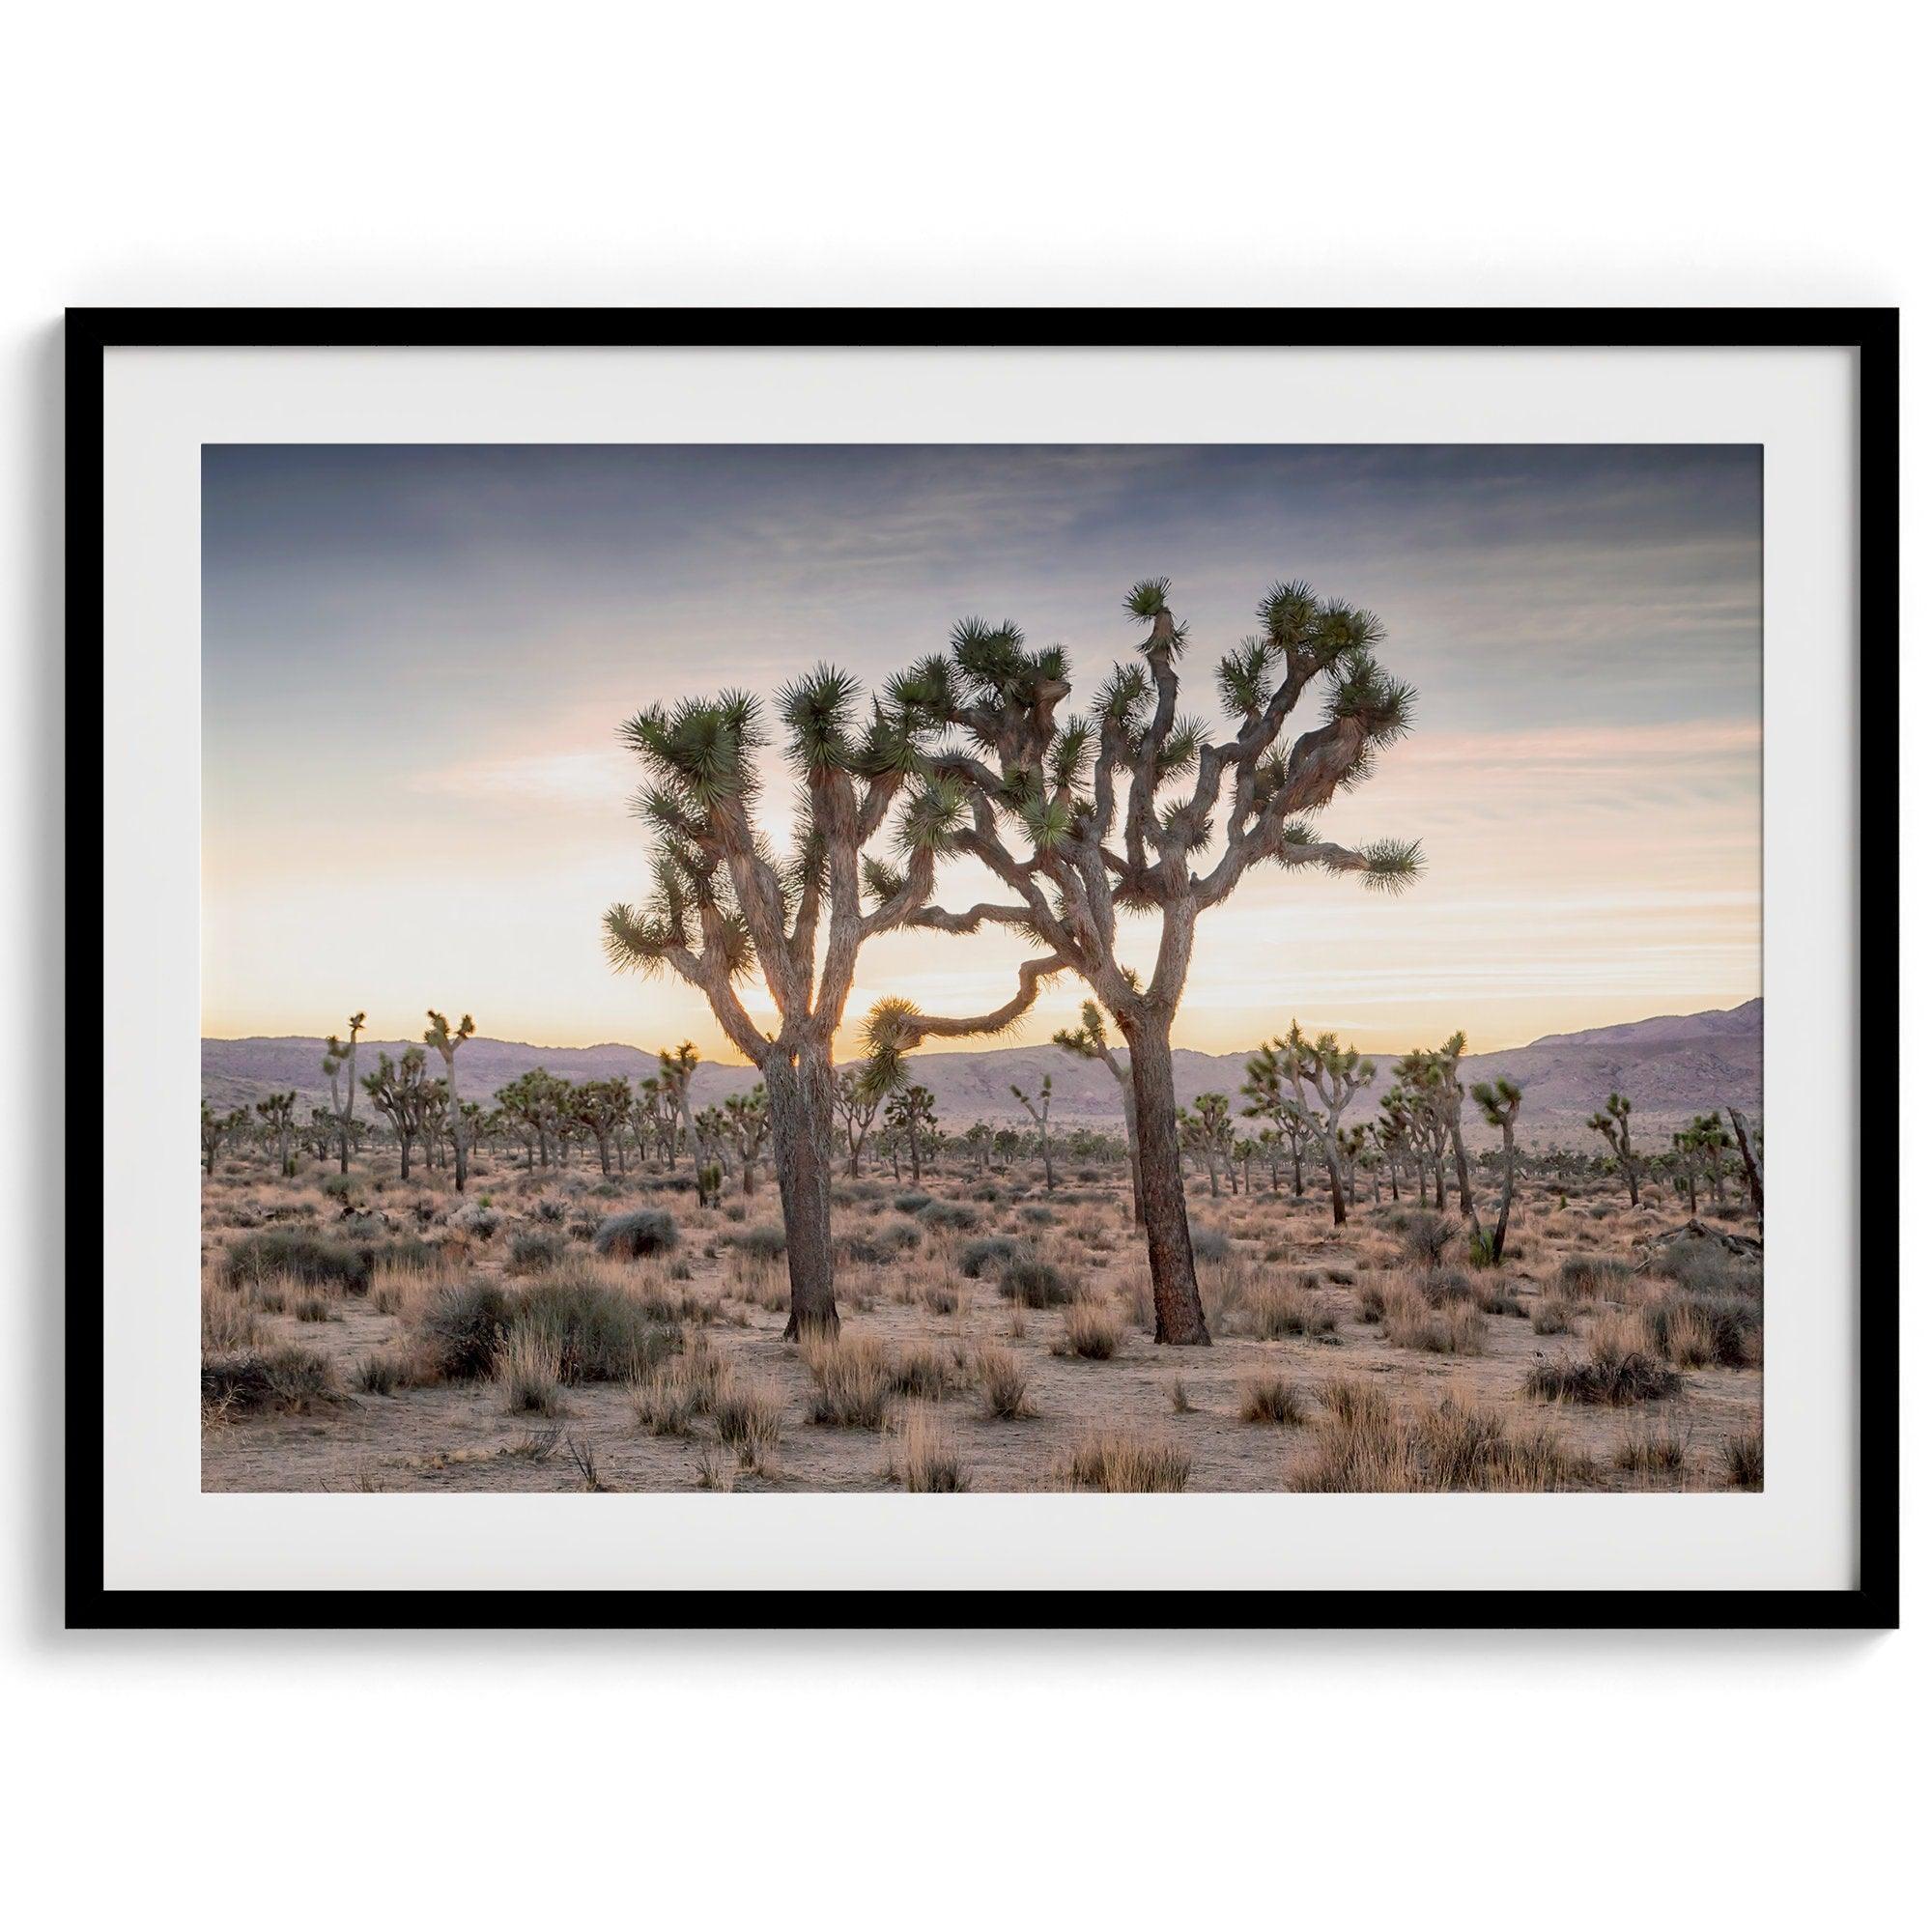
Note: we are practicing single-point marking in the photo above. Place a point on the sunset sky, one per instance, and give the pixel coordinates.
(414, 661)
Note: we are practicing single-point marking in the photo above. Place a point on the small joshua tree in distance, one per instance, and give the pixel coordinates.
(447, 1040)
(278, 1118)
(1614, 1124)
(1500, 1100)
(338, 1062)
(1038, 1111)
(216, 1128)
(1334, 1074)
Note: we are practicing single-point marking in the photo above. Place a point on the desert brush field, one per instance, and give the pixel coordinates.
(560, 1330)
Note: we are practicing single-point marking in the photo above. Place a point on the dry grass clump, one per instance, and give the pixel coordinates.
(529, 1371)
(229, 1324)
(1367, 1444)
(644, 1231)
(1692, 1332)
(295, 1255)
(379, 1374)
(1125, 1460)
(1592, 1277)
(921, 1373)
(403, 1282)
(1002, 1378)
(749, 1417)
(1744, 1460)
(852, 1381)
(663, 1401)
(925, 1458)
(1553, 1315)
(1408, 1321)
(1272, 1399)
(1089, 1332)
(1649, 1448)
(1279, 1309)
(1033, 1283)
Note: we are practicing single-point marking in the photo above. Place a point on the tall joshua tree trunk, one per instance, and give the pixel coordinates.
(801, 1093)
(1177, 1313)
(1753, 1179)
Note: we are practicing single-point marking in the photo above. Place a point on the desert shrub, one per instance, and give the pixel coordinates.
(1651, 1449)
(912, 1201)
(940, 1298)
(1037, 1215)
(1744, 1460)
(457, 1331)
(312, 1307)
(1612, 1379)
(1552, 1317)
(477, 1218)
(1210, 1244)
(925, 1458)
(1409, 1323)
(1497, 1297)
(1031, 1282)
(987, 1254)
(527, 1369)
(379, 1374)
(599, 1333)
(1441, 1286)
(644, 1231)
(1584, 1277)
(1272, 1399)
(955, 1214)
(533, 1250)
(339, 1186)
(1372, 1300)
(1003, 1384)
(292, 1253)
(1280, 1309)
(1125, 1461)
(1425, 1236)
(1690, 1333)
(293, 1378)
(852, 1384)
(879, 1245)
(584, 1227)
(921, 1373)
(549, 1208)
(1090, 1333)
(763, 1240)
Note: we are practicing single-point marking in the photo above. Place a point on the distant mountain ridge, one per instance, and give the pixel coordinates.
(1670, 1067)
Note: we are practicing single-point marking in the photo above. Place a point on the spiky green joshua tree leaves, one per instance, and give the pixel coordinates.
(1137, 808)
(872, 818)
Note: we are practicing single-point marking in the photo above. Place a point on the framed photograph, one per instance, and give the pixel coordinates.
(951, 968)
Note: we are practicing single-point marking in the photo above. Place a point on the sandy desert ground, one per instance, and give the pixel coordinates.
(370, 1335)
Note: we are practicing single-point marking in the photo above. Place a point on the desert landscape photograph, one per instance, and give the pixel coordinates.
(981, 969)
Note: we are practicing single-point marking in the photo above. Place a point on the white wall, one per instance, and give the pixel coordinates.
(1126, 153)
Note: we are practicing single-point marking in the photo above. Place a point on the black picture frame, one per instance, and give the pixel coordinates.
(1871, 332)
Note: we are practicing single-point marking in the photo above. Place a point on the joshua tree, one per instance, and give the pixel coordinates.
(979, 1138)
(401, 1091)
(857, 1098)
(603, 1106)
(216, 1128)
(1753, 1179)
(1333, 1076)
(910, 1118)
(278, 1118)
(1614, 1124)
(724, 904)
(748, 1120)
(655, 1113)
(1037, 1112)
(675, 1070)
(1209, 1129)
(1708, 1137)
(445, 1041)
(1265, 1088)
(338, 1062)
(1089, 1042)
(1500, 1100)
(1099, 832)
(1354, 1144)
(1449, 1059)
